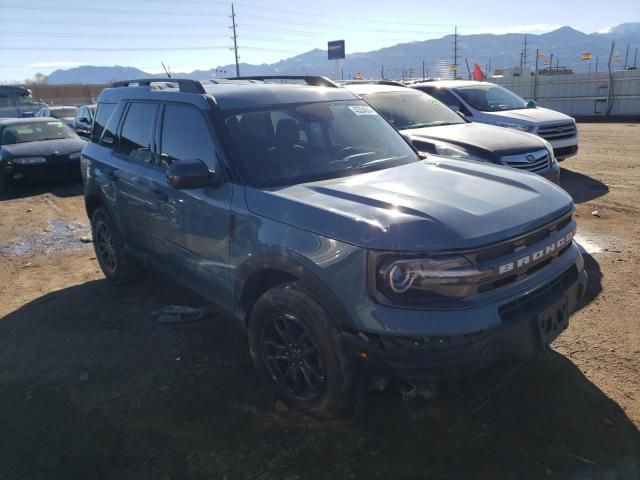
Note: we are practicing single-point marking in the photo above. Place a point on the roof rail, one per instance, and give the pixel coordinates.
(186, 85)
(312, 80)
(372, 82)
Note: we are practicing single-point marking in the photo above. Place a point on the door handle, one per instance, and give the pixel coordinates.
(160, 194)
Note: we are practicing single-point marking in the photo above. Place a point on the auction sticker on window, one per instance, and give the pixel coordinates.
(362, 110)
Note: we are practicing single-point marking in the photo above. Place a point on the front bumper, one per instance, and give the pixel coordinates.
(51, 170)
(518, 334)
(553, 173)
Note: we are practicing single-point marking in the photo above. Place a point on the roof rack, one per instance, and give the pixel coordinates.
(372, 82)
(184, 84)
(313, 80)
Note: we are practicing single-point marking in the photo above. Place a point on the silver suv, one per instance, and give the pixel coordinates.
(485, 102)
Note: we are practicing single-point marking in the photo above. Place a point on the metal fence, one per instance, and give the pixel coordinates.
(66, 94)
(581, 94)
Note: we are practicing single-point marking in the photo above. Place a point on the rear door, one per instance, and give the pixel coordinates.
(191, 229)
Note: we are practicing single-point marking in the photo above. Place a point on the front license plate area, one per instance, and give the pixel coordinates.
(552, 321)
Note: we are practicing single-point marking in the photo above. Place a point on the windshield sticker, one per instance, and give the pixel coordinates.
(315, 127)
(362, 110)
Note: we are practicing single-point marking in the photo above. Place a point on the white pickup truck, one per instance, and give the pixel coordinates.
(485, 102)
(16, 102)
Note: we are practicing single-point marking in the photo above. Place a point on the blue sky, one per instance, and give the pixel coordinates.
(43, 35)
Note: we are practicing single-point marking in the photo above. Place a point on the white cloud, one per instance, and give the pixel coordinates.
(531, 28)
(54, 64)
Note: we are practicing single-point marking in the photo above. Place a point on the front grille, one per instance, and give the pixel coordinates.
(531, 161)
(557, 131)
(522, 305)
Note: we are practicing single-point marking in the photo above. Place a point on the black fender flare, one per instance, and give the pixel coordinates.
(308, 280)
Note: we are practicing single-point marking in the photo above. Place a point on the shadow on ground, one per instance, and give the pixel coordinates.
(92, 387)
(582, 188)
(60, 188)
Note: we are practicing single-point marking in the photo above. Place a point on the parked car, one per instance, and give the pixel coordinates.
(434, 128)
(64, 113)
(486, 102)
(302, 213)
(38, 148)
(83, 120)
(17, 102)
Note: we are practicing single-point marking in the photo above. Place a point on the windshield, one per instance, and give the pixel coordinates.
(63, 112)
(491, 98)
(412, 109)
(34, 132)
(314, 141)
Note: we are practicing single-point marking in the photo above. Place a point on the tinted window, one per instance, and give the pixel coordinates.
(135, 137)
(446, 97)
(185, 136)
(314, 141)
(491, 98)
(103, 113)
(411, 109)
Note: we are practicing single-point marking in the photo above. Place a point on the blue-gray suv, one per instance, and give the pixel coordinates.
(302, 213)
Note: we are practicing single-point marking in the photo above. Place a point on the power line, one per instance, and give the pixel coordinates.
(110, 11)
(114, 23)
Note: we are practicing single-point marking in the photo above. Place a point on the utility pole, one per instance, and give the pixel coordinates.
(468, 69)
(610, 94)
(524, 62)
(535, 77)
(423, 77)
(235, 39)
(381, 72)
(455, 52)
(597, 63)
(635, 58)
(626, 57)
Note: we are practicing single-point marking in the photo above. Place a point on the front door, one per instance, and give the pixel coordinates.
(191, 230)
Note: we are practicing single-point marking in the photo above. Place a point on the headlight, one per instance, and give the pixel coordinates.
(75, 155)
(523, 127)
(29, 160)
(422, 278)
(457, 153)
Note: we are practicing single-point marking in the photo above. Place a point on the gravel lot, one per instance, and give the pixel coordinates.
(91, 387)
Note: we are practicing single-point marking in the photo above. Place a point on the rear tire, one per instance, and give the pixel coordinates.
(298, 351)
(116, 264)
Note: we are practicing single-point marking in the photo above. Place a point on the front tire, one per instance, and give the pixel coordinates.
(116, 264)
(298, 351)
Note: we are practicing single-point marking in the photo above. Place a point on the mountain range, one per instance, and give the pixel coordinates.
(406, 59)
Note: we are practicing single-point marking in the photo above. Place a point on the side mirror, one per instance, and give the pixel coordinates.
(185, 174)
(107, 139)
(532, 104)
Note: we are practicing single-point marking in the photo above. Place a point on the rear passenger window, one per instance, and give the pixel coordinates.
(185, 136)
(103, 112)
(446, 97)
(135, 137)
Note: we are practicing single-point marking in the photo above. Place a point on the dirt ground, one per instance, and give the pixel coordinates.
(91, 387)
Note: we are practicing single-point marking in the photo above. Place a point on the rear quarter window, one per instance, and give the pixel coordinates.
(103, 113)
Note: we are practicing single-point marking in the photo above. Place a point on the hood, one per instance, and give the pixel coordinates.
(489, 138)
(433, 205)
(537, 115)
(64, 146)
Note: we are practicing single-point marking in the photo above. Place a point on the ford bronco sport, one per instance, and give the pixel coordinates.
(302, 213)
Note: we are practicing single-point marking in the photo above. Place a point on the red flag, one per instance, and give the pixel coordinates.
(477, 73)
